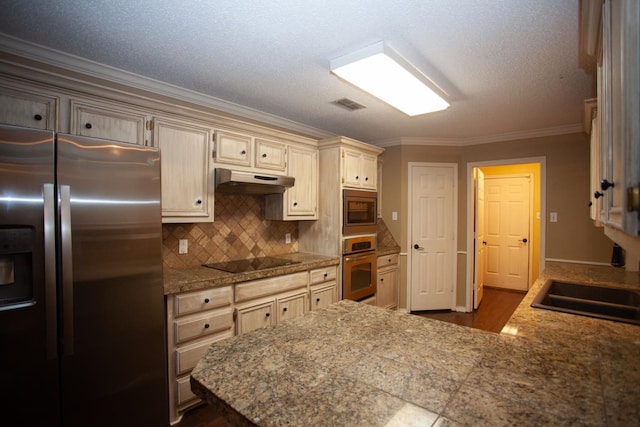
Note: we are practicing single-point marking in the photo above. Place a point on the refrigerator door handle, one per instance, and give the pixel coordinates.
(67, 270)
(50, 271)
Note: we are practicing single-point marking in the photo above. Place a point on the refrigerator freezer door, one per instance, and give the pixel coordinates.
(113, 361)
(28, 360)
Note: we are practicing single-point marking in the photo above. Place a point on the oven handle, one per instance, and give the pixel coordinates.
(359, 257)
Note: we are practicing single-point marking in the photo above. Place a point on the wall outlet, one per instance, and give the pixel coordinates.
(553, 216)
(287, 238)
(183, 246)
(394, 216)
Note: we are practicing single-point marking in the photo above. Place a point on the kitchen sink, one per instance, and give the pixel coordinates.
(617, 304)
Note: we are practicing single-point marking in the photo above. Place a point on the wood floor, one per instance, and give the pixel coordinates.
(494, 312)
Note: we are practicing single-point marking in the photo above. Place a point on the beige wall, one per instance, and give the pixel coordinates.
(573, 237)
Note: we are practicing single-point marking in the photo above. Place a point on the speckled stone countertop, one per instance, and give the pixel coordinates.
(357, 365)
(195, 278)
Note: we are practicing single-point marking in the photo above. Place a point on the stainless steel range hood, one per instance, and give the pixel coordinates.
(242, 182)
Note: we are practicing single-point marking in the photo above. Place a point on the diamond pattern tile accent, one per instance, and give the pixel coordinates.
(239, 231)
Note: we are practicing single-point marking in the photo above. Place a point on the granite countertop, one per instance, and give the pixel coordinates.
(354, 364)
(178, 280)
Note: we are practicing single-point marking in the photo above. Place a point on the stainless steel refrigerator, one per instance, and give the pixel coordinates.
(82, 336)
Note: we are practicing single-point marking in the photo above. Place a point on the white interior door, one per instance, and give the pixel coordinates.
(432, 237)
(480, 241)
(507, 225)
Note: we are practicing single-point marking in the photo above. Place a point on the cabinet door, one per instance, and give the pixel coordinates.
(387, 292)
(233, 148)
(369, 169)
(292, 306)
(27, 109)
(186, 171)
(302, 198)
(351, 167)
(270, 155)
(114, 123)
(322, 297)
(255, 316)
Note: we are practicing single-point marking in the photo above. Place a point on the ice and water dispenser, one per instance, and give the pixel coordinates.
(16, 278)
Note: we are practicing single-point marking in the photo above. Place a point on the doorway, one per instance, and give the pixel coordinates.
(478, 255)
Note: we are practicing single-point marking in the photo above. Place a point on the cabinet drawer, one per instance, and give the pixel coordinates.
(385, 260)
(183, 391)
(201, 325)
(192, 302)
(270, 155)
(188, 356)
(255, 316)
(233, 148)
(320, 275)
(273, 285)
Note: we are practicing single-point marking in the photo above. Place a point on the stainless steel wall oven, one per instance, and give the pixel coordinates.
(359, 268)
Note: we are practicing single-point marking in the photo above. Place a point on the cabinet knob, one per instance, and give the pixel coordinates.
(295, 203)
(88, 125)
(389, 260)
(382, 279)
(317, 299)
(605, 185)
(325, 275)
(357, 177)
(206, 300)
(267, 315)
(198, 202)
(37, 117)
(206, 326)
(264, 155)
(366, 178)
(284, 308)
(598, 194)
(243, 152)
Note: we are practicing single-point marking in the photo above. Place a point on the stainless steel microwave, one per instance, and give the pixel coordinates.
(359, 212)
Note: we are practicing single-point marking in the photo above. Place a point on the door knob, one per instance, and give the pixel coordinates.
(416, 246)
(525, 240)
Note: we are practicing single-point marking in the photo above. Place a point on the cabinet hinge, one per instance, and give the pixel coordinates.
(633, 199)
(149, 125)
(213, 153)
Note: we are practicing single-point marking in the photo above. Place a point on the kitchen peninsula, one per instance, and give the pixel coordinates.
(353, 364)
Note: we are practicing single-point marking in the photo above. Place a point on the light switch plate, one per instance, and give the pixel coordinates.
(287, 238)
(183, 246)
(394, 216)
(553, 216)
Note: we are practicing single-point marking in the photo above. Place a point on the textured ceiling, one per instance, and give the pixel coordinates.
(510, 67)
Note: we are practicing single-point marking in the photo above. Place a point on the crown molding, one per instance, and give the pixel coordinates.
(95, 69)
(488, 139)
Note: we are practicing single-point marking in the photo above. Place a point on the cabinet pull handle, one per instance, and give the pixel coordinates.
(206, 326)
(206, 300)
(88, 125)
(605, 185)
(37, 117)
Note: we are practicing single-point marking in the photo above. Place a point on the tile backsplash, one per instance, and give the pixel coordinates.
(239, 231)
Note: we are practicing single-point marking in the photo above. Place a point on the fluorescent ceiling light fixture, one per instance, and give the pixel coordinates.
(386, 75)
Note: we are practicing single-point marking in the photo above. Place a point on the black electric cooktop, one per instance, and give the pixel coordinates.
(253, 264)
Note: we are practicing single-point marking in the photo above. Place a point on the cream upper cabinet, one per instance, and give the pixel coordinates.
(618, 112)
(28, 109)
(110, 121)
(270, 155)
(359, 169)
(187, 190)
(233, 149)
(301, 200)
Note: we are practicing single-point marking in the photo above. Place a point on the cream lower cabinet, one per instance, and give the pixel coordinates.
(194, 321)
(323, 287)
(28, 108)
(187, 170)
(264, 302)
(387, 286)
